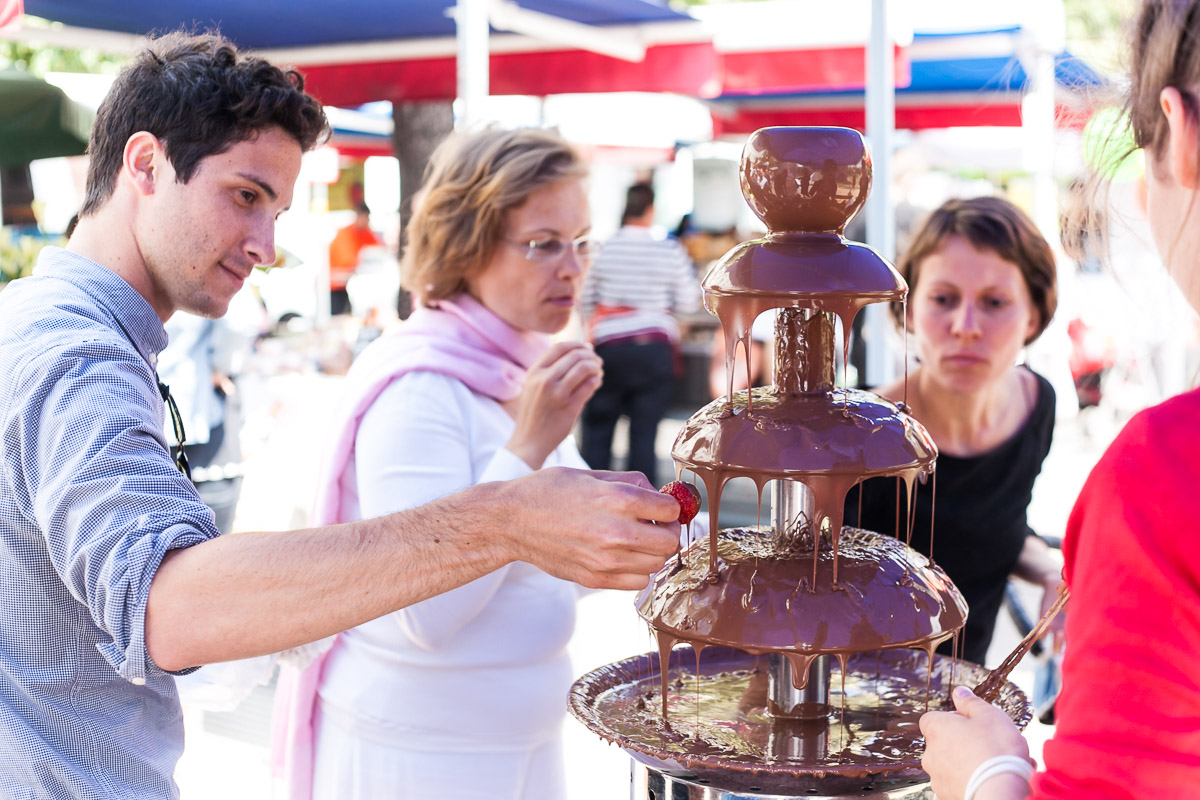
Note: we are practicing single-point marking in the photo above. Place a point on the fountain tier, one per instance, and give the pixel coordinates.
(762, 600)
(803, 437)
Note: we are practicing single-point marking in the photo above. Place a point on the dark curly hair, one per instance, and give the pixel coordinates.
(199, 97)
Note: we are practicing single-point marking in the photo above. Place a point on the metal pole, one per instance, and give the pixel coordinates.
(1044, 38)
(881, 217)
(472, 34)
(791, 499)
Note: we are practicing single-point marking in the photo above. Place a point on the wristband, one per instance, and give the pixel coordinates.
(997, 765)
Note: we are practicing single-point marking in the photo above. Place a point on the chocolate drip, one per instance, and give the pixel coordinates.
(765, 600)
(806, 588)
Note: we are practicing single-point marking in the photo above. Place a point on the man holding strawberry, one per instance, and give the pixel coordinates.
(115, 575)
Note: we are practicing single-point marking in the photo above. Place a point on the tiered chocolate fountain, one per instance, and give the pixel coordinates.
(811, 651)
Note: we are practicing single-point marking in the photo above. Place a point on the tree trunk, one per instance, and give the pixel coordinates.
(419, 128)
(16, 196)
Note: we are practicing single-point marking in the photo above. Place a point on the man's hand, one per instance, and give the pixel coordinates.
(556, 387)
(593, 528)
(956, 742)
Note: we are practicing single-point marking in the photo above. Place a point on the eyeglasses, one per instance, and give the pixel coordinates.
(552, 248)
(181, 459)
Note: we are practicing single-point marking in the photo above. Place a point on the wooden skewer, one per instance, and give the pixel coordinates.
(989, 687)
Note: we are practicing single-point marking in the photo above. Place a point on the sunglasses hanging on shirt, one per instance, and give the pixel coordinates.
(181, 460)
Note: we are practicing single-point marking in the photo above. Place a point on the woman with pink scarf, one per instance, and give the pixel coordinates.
(463, 694)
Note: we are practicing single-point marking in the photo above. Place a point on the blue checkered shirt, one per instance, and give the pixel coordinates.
(90, 501)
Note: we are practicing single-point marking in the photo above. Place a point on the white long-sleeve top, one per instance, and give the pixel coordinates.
(480, 667)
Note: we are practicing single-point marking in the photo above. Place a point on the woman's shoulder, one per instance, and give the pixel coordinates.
(1037, 386)
(1042, 401)
(1166, 434)
(1143, 487)
(425, 393)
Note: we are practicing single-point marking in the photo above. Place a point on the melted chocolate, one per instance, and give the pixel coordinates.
(719, 725)
(807, 180)
(806, 588)
(885, 596)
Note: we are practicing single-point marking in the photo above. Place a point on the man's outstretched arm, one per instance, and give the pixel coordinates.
(254, 593)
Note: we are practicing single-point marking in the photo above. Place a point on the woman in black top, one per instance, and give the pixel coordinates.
(981, 287)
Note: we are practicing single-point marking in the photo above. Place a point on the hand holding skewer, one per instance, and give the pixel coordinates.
(989, 688)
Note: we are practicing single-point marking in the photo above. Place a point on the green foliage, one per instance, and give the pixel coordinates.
(18, 254)
(1096, 32)
(40, 59)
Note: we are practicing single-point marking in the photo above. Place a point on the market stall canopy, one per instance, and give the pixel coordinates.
(365, 50)
(961, 79)
(278, 24)
(38, 120)
(361, 132)
(359, 51)
(702, 55)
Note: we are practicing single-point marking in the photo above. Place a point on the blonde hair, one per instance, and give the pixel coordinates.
(473, 180)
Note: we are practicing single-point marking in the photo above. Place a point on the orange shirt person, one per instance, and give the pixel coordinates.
(344, 253)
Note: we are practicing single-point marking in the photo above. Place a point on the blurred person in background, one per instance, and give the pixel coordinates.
(635, 289)
(200, 366)
(345, 253)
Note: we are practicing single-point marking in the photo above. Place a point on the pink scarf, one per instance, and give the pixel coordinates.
(460, 338)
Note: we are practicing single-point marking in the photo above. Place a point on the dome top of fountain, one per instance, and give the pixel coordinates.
(806, 180)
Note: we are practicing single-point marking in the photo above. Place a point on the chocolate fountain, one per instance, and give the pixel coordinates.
(809, 650)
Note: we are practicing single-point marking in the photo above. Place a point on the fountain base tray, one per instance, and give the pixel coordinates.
(648, 783)
(719, 737)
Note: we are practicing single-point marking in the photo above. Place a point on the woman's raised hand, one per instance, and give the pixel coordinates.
(556, 387)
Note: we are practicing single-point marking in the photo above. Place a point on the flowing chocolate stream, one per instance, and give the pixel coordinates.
(805, 588)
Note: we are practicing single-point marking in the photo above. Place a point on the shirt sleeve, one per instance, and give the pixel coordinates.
(103, 489)
(589, 294)
(1129, 713)
(414, 445)
(687, 292)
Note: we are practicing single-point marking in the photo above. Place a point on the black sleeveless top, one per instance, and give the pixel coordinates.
(981, 522)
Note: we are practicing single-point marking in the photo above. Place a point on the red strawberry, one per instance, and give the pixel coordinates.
(688, 498)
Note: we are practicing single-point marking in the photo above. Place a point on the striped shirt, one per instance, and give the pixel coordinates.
(90, 501)
(637, 285)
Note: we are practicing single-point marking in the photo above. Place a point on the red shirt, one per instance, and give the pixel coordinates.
(1129, 713)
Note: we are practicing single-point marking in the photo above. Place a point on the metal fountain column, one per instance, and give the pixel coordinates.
(804, 352)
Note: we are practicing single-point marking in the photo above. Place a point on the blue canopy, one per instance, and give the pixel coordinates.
(355, 51)
(954, 80)
(266, 24)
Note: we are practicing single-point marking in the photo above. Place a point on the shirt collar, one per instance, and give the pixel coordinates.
(128, 310)
(638, 232)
